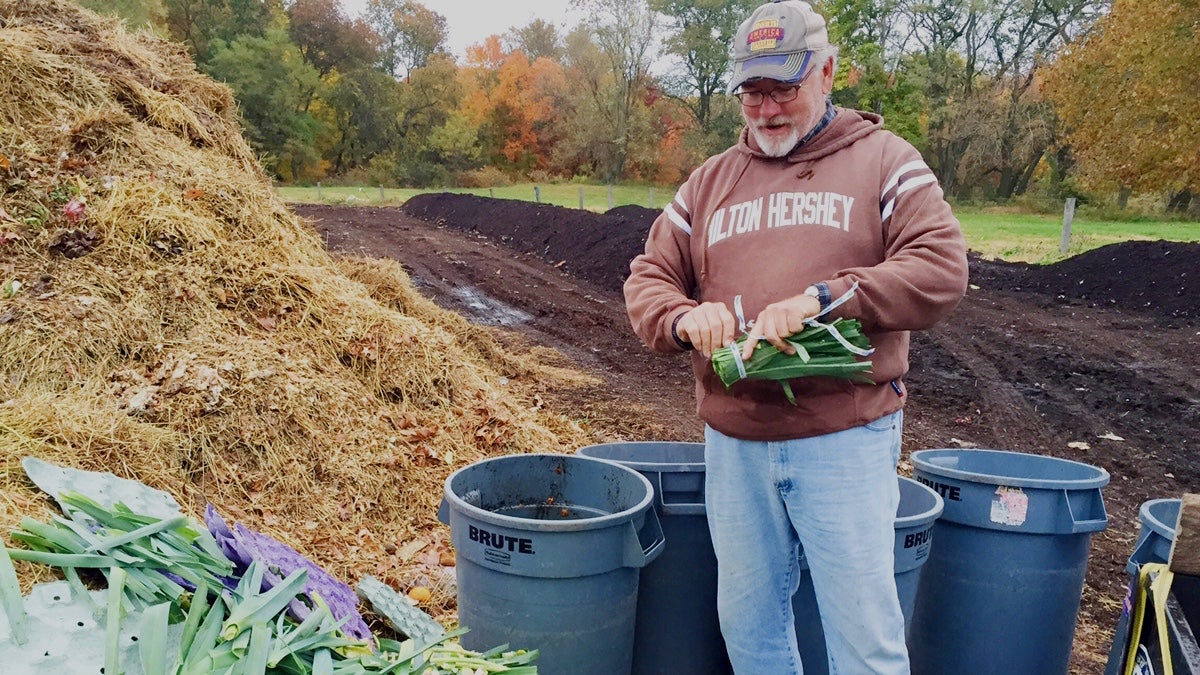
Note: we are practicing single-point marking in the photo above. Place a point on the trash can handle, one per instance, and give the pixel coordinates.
(443, 514)
(1082, 508)
(683, 505)
(643, 546)
(1141, 553)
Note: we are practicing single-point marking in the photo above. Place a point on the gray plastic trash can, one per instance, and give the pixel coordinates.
(677, 626)
(919, 508)
(1157, 533)
(1158, 518)
(549, 548)
(678, 630)
(1001, 588)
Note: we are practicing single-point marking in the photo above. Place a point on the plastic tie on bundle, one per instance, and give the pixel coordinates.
(829, 327)
(736, 352)
(735, 349)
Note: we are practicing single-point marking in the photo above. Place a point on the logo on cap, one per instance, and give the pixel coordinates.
(765, 34)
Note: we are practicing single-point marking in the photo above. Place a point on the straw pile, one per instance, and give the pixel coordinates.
(163, 316)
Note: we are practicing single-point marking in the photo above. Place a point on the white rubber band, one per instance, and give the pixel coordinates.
(737, 360)
(833, 331)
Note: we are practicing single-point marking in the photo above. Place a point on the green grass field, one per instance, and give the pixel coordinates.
(594, 197)
(994, 233)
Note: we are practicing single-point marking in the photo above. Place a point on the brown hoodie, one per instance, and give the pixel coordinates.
(854, 204)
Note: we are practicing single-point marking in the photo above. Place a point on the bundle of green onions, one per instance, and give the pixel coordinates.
(824, 349)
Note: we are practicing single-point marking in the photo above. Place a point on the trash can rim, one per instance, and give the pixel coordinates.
(927, 516)
(649, 465)
(619, 518)
(1147, 515)
(924, 461)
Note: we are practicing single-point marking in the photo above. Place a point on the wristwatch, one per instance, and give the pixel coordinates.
(820, 291)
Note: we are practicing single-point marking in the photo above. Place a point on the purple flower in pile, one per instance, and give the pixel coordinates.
(243, 546)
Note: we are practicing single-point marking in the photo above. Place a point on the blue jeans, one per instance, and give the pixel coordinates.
(836, 495)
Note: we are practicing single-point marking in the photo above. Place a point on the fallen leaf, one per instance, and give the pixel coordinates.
(410, 549)
(964, 444)
(267, 322)
(194, 193)
(1079, 445)
(74, 210)
(4, 163)
(420, 433)
(1110, 436)
(430, 558)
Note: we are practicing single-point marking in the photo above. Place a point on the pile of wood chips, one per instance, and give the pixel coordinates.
(165, 317)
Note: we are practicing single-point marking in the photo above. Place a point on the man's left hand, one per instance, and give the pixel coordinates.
(780, 320)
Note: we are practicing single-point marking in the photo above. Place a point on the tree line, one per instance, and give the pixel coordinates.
(1003, 97)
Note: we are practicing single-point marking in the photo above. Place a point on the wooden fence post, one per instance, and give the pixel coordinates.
(381, 198)
(1068, 216)
(319, 191)
(581, 198)
(537, 194)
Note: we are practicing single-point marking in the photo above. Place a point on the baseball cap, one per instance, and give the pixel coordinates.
(777, 42)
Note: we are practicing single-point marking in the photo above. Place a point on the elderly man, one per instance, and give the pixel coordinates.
(814, 205)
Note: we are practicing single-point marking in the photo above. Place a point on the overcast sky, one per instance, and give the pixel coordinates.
(470, 21)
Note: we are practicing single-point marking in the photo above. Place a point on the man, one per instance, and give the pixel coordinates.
(814, 204)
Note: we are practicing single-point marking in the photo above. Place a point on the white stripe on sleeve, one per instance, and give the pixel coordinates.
(674, 217)
(679, 198)
(911, 166)
(905, 187)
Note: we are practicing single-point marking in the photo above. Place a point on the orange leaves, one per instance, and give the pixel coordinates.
(487, 55)
(514, 98)
(1127, 93)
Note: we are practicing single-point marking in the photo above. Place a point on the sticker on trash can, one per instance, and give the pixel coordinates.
(1010, 507)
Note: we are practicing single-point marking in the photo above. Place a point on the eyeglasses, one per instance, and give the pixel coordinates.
(753, 99)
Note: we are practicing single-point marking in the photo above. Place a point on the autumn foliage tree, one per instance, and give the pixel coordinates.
(1128, 94)
(512, 103)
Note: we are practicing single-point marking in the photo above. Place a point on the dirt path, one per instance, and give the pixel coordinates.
(1025, 371)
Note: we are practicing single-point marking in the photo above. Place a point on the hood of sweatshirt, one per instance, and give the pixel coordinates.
(846, 127)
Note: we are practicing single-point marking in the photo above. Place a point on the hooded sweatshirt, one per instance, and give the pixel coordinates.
(855, 204)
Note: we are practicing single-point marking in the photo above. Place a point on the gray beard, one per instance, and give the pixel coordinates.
(776, 147)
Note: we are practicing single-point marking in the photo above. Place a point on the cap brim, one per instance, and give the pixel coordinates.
(781, 67)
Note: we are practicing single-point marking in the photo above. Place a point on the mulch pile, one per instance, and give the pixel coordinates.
(1156, 277)
(165, 317)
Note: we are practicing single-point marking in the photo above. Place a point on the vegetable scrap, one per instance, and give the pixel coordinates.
(218, 599)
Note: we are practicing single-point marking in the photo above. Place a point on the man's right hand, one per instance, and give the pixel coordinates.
(709, 327)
